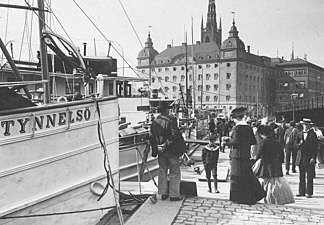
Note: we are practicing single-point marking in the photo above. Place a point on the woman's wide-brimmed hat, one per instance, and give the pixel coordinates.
(237, 112)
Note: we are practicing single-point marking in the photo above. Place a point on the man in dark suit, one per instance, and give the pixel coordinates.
(167, 142)
(307, 159)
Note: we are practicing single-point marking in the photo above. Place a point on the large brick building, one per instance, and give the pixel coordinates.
(298, 79)
(220, 74)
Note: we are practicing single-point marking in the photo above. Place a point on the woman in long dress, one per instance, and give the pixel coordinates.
(244, 185)
(270, 170)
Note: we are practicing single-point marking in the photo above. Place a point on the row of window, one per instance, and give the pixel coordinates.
(283, 97)
(296, 73)
(208, 98)
(208, 87)
(293, 85)
(181, 68)
(253, 79)
(256, 68)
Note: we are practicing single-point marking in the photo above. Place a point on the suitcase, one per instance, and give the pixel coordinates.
(188, 188)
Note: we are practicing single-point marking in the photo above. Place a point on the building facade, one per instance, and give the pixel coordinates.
(223, 75)
(298, 79)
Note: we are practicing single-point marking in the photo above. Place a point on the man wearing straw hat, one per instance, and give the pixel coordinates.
(307, 160)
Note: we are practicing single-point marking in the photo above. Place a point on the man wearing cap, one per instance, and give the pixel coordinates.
(307, 160)
(167, 142)
(290, 140)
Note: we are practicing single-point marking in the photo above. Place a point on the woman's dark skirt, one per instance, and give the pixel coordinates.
(245, 187)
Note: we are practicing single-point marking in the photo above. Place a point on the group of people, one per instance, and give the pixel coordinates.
(256, 157)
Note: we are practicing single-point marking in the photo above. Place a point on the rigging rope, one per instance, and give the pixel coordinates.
(109, 41)
(139, 40)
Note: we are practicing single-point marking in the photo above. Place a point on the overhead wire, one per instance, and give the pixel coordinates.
(109, 41)
(130, 21)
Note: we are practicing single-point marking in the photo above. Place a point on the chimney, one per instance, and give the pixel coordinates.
(184, 44)
(169, 46)
(198, 42)
(282, 58)
(248, 48)
(84, 49)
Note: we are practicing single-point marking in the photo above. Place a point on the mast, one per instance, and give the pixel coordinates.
(186, 69)
(193, 94)
(43, 52)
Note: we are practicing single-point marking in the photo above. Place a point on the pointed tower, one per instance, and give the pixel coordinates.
(211, 32)
(147, 54)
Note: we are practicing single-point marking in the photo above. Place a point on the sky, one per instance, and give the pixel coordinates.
(270, 27)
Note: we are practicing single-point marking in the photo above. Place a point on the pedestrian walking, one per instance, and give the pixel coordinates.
(211, 125)
(254, 148)
(209, 156)
(244, 185)
(307, 159)
(291, 147)
(168, 144)
(270, 170)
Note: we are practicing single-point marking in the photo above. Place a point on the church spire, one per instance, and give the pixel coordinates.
(211, 33)
(211, 15)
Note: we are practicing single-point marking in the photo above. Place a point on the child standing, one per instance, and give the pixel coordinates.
(209, 156)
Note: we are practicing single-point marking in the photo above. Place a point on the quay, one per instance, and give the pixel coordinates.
(210, 208)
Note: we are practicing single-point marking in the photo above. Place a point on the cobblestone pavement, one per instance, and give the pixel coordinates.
(210, 208)
(207, 211)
